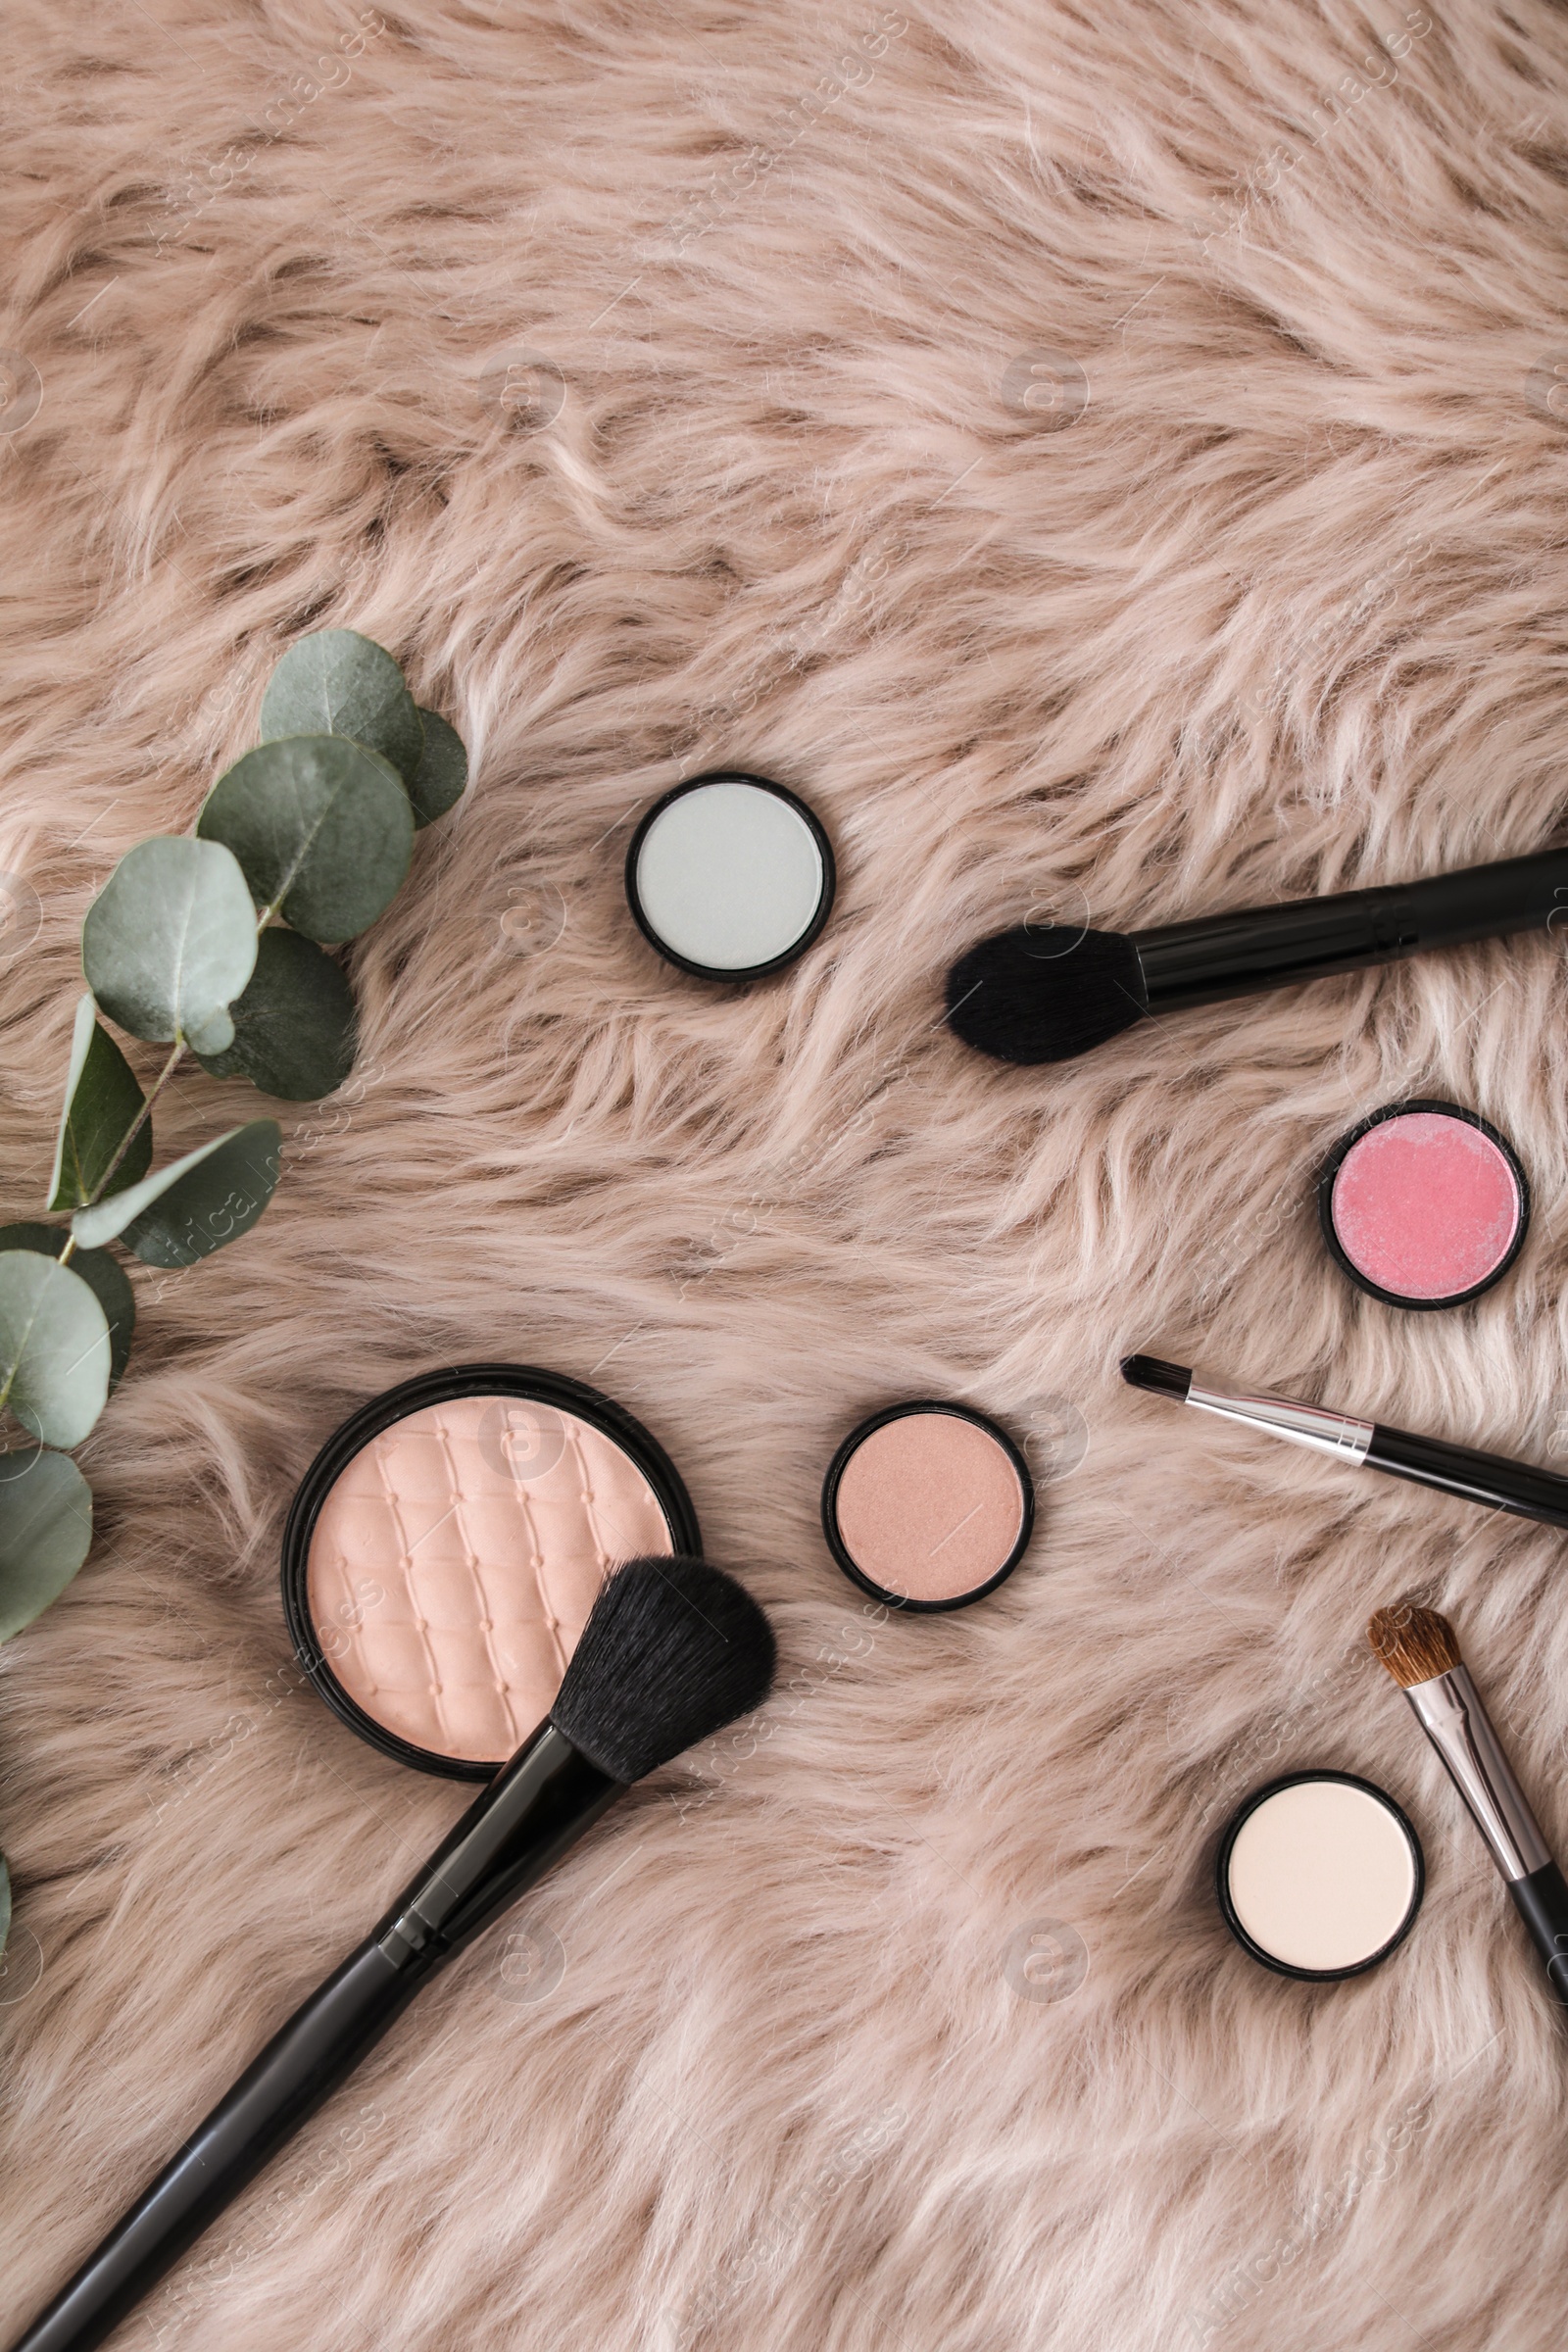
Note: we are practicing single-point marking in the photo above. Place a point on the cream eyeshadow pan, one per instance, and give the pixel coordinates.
(1320, 1874)
(452, 1558)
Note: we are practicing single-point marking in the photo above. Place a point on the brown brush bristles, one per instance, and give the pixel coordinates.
(1414, 1644)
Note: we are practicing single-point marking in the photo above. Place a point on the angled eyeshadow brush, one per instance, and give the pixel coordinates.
(672, 1650)
(1421, 1650)
(1029, 994)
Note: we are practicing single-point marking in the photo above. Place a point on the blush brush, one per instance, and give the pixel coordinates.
(1040, 994)
(672, 1650)
(1489, 1479)
(1421, 1650)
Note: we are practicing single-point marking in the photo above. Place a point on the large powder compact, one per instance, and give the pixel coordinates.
(1319, 1875)
(927, 1506)
(1423, 1204)
(730, 877)
(445, 1549)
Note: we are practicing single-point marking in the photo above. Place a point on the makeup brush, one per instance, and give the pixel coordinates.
(1035, 994)
(1420, 1650)
(672, 1650)
(1489, 1479)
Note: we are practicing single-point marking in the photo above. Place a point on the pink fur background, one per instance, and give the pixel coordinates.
(1280, 611)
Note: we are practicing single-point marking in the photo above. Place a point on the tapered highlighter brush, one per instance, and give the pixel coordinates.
(1489, 1479)
(672, 1650)
(1421, 1651)
(1046, 992)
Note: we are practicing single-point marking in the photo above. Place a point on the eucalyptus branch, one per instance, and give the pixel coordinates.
(316, 828)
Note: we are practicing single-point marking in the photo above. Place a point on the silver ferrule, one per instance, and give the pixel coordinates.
(1461, 1729)
(1303, 1424)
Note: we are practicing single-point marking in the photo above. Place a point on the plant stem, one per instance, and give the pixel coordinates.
(70, 1250)
(137, 1123)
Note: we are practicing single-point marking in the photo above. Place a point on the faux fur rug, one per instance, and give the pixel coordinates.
(1109, 460)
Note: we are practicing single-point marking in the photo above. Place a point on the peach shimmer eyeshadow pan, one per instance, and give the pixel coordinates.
(927, 1505)
(447, 1544)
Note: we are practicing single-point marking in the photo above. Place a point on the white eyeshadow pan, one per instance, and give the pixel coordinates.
(730, 876)
(1319, 1875)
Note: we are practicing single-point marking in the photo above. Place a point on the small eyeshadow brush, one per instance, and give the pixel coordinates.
(1489, 1479)
(1035, 994)
(672, 1650)
(1421, 1651)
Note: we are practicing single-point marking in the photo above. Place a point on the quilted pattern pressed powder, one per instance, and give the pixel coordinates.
(453, 1565)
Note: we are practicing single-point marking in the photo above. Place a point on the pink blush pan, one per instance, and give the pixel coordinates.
(1423, 1204)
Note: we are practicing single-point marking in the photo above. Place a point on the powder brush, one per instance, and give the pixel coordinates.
(1489, 1479)
(1421, 1651)
(1035, 994)
(672, 1650)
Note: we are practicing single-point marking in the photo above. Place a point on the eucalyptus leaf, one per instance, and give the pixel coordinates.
(45, 1532)
(211, 1197)
(103, 1102)
(5, 1904)
(322, 828)
(294, 1027)
(190, 1208)
(170, 941)
(441, 775)
(54, 1347)
(104, 1276)
(337, 682)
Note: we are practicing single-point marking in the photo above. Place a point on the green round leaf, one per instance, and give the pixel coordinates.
(337, 682)
(208, 1199)
(322, 829)
(439, 779)
(45, 1531)
(294, 1027)
(104, 1276)
(102, 1103)
(54, 1347)
(170, 941)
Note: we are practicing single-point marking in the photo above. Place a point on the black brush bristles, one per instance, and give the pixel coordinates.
(1013, 997)
(672, 1650)
(1159, 1378)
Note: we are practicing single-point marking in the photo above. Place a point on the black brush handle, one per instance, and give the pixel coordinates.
(300, 2066)
(1541, 1902)
(533, 1811)
(1269, 947)
(1490, 1479)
